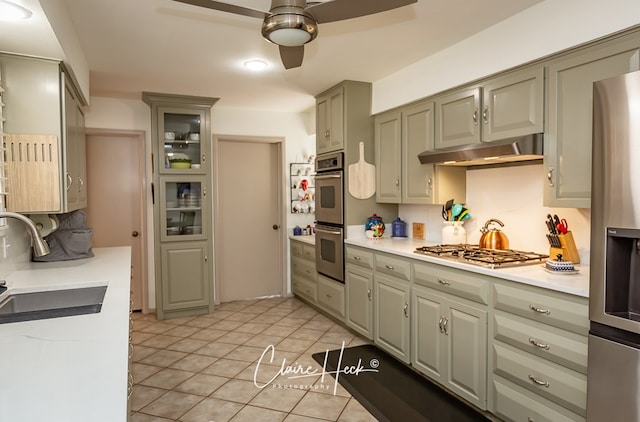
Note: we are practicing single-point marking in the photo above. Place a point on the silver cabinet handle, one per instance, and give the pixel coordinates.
(329, 296)
(69, 181)
(390, 267)
(398, 183)
(369, 295)
(550, 176)
(444, 282)
(81, 182)
(475, 117)
(429, 183)
(204, 158)
(204, 192)
(356, 258)
(531, 420)
(405, 309)
(440, 325)
(539, 310)
(327, 134)
(538, 344)
(538, 382)
(485, 115)
(445, 322)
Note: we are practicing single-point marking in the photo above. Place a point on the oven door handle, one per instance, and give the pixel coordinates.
(328, 176)
(328, 231)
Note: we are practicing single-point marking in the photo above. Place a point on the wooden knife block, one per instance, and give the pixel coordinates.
(569, 251)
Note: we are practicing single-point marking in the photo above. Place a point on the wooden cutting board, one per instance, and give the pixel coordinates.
(362, 177)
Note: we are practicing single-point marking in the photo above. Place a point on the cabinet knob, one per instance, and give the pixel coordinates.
(485, 115)
(203, 159)
(135, 233)
(550, 176)
(275, 227)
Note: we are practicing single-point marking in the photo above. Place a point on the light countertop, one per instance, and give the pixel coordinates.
(72, 368)
(534, 275)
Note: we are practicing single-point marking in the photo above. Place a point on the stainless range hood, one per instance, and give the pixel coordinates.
(524, 148)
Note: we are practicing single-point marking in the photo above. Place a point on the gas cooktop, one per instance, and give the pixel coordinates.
(490, 258)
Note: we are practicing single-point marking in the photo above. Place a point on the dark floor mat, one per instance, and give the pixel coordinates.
(394, 392)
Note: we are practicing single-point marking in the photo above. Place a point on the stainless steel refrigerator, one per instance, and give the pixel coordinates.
(613, 379)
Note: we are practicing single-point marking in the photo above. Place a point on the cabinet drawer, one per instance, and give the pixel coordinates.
(554, 382)
(393, 266)
(331, 296)
(296, 249)
(304, 288)
(309, 252)
(546, 306)
(359, 257)
(559, 346)
(303, 268)
(460, 283)
(512, 403)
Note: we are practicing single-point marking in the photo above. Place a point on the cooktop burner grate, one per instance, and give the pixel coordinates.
(491, 258)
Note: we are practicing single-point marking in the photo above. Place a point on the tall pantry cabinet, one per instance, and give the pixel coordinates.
(182, 203)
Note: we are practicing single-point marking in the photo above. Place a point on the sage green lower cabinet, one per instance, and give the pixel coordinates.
(391, 321)
(185, 278)
(359, 264)
(359, 295)
(537, 354)
(331, 296)
(449, 328)
(303, 271)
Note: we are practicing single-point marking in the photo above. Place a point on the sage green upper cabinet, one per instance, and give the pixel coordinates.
(388, 141)
(400, 136)
(502, 107)
(567, 150)
(41, 102)
(457, 118)
(513, 105)
(330, 121)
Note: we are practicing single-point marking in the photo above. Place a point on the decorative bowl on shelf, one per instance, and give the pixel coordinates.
(180, 164)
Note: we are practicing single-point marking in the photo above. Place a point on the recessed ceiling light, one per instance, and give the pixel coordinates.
(11, 12)
(255, 65)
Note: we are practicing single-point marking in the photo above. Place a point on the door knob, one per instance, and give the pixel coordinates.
(275, 227)
(135, 233)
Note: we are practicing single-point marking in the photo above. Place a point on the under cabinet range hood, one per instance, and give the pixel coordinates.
(523, 148)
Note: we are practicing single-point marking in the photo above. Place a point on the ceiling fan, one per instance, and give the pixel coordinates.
(292, 23)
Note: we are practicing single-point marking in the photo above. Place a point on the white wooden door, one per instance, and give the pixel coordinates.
(115, 198)
(248, 237)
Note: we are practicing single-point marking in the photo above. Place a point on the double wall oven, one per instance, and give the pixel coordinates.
(329, 182)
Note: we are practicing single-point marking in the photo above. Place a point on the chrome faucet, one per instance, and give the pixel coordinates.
(40, 247)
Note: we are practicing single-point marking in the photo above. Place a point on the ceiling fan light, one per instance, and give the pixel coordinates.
(11, 12)
(289, 30)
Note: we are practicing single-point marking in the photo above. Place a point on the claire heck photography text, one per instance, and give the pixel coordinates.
(296, 371)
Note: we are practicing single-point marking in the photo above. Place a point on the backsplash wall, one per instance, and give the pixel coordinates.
(514, 196)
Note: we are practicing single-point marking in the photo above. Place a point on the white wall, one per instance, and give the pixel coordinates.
(546, 28)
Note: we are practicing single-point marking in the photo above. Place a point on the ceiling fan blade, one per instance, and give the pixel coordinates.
(291, 56)
(224, 7)
(337, 10)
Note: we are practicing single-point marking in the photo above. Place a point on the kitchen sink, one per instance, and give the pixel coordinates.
(51, 304)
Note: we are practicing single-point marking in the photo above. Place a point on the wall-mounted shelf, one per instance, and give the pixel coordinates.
(303, 188)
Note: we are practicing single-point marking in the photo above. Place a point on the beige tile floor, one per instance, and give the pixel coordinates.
(205, 368)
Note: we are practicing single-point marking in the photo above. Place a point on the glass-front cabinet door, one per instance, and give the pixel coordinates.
(183, 134)
(183, 208)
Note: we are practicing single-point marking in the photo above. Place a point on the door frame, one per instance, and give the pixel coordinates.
(138, 136)
(280, 200)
